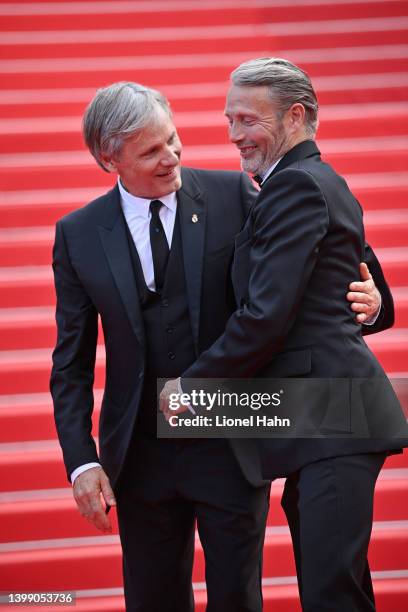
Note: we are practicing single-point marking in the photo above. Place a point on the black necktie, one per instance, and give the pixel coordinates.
(159, 244)
(258, 179)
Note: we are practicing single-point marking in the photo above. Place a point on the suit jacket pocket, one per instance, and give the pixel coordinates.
(289, 364)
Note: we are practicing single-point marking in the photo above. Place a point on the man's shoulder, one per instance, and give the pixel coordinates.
(222, 186)
(297, 175)
(227, 191)
(90, 212)
(318, 169)
(209, 177)
(330, 182)
(315, 175)
(308, 171)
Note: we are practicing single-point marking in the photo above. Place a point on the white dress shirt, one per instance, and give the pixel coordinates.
(137, 215)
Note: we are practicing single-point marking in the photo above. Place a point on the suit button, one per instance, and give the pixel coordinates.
(165, 303)
(169, 329)
(171, 355)
(141, 374)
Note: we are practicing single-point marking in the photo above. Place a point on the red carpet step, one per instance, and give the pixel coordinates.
(29, 370)
(95, 562)
(96, 15)
(198, 68)
(279, 594)
(347, 89)
(401, 300)
(250, 36)
(28, 417)
(393, 262)
(53, 513)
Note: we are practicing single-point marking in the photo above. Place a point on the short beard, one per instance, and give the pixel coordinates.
(259, 166)
(253, 165)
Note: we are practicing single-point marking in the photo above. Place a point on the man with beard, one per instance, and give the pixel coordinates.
(302, 240)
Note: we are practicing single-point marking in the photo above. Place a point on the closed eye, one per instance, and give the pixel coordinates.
(150, 152)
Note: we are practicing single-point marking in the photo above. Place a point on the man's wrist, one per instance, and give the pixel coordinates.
(373, 319)
(83, 468)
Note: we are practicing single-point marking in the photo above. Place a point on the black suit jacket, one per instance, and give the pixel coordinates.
(94, 276)
(294, 258)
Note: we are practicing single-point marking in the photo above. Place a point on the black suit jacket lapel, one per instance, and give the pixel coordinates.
(307, 148)
(192, 210)
(114, 241)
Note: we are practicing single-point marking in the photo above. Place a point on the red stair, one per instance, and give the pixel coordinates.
(52, 57)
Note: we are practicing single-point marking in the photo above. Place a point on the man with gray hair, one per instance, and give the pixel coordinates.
(151, 258)
(302, 240)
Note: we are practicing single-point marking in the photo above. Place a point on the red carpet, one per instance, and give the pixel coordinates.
(52, 57)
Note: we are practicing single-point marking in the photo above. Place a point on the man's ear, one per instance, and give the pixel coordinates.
(295, 116)
(109, 163)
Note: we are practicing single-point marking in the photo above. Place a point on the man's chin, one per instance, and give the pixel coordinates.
(168, 186)
(249, 166)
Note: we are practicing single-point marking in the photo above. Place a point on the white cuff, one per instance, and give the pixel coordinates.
(374, 318)
(82, 468)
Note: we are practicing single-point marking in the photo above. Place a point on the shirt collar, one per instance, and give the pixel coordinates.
(269, 171)
(140, 207)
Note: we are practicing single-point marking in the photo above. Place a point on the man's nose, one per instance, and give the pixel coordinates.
(171, 158)
(235, 133)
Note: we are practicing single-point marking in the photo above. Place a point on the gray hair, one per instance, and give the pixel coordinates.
(115, 113)
(288, 84)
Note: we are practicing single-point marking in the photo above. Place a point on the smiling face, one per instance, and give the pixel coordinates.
(149, 161)
(260, 132)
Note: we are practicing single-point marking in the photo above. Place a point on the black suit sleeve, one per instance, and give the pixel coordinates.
(72, 373)
(289, 221)
(386, 317)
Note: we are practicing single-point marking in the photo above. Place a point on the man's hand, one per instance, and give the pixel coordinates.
(171, 387)
(364, 295)
(88, 488)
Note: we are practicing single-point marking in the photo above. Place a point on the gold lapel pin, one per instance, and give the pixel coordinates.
(194, 218)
